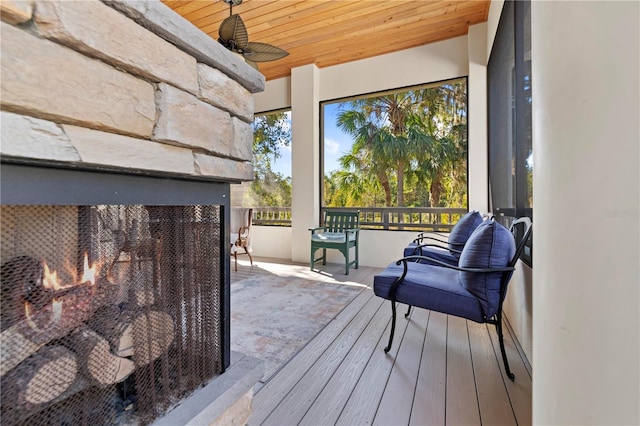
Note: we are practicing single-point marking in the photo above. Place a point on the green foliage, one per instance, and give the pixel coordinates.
(271, 132)
(409, 149)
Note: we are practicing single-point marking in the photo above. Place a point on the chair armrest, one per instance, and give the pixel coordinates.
(422, 237)
(319, 228)
(405, 260)
(419, 247)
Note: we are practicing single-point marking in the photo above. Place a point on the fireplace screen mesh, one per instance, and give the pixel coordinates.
(110, 314)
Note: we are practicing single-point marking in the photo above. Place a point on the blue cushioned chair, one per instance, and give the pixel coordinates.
(458, 237)
(474, 289)
(341, 231)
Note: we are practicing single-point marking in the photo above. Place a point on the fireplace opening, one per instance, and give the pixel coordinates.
(110, 313)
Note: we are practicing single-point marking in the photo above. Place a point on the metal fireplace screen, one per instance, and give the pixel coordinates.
(110, 314)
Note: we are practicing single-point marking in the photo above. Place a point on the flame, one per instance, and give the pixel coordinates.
(56, 315)
(50, 280)
(90, 273)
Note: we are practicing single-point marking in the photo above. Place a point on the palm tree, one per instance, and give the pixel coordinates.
(418, 135)
(368, 150)
(379, 127)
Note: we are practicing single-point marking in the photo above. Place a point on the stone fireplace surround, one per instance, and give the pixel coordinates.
(130, 87)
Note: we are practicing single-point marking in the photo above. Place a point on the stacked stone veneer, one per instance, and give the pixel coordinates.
(122, 85)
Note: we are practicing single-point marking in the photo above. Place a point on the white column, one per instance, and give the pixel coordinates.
(477, 147)
(585, 83)
(305, 158)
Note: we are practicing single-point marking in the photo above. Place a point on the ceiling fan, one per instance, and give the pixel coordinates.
(233, 35)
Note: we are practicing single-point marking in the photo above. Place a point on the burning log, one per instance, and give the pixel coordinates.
(68, 310)
(21, 279)
(45, 376)
(96, 360)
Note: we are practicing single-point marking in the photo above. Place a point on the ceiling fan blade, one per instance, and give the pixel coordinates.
(263, 52)
(232, 29)
(253, 64)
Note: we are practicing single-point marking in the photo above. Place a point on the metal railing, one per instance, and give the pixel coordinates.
(272, 216)
(436, 219)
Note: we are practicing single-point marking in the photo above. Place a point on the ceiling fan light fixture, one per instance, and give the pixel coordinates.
(233, 35)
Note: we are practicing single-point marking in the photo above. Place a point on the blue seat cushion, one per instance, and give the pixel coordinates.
(490, 246)
(441, 254)
(333, 237)
(429, 287)
(462, 230)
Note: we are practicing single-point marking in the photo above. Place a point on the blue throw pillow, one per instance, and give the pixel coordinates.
(461, 232)
(490, 246)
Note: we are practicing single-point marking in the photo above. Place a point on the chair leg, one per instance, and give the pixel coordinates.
(249, 254)
(235, 255)
(504, 354)
(357, 260)
(346, 259)
(324, 256)
(408, 312)
(393, 326)
(312, 260)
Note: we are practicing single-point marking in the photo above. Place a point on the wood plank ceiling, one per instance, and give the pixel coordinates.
(331, 32)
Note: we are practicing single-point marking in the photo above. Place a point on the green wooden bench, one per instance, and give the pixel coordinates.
(341, 232)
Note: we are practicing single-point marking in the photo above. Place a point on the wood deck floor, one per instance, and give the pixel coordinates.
(440, 370)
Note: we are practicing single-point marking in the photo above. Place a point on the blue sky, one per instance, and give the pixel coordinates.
(336, 143)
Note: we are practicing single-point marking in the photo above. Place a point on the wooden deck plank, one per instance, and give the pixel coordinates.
(520, 389)
(429, 399)
(340, 377)
(268, 397)
(364, 400)
(327, 407)
(395, 406)
(295, 405)
(493, 400)
(461, 403)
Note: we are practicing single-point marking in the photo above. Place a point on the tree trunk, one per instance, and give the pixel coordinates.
(436, 189)
(382, 178)
(400, 173)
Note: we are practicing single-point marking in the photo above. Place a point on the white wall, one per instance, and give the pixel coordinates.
(271, 241)
(586, 109)
(477, 125)
(434, 62)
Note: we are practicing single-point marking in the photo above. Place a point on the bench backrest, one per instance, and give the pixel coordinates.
(338, 221)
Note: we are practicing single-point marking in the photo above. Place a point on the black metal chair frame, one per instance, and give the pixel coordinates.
(506, 276)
